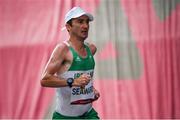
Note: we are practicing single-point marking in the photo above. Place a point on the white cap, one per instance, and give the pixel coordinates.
(76, 12)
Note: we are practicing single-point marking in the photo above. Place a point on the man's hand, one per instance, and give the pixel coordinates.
(96, 94)
(82, 81)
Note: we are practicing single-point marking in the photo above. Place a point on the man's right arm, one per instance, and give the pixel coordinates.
(49, 79)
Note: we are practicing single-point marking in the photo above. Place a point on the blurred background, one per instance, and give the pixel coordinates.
(137, 62)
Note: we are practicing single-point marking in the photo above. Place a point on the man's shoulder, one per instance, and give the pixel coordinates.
(61, 47)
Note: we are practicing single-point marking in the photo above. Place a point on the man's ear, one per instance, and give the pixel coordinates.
(68, 27)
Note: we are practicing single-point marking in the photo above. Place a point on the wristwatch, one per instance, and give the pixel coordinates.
(70, 82)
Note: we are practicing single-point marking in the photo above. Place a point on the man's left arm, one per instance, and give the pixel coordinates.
(93, 51)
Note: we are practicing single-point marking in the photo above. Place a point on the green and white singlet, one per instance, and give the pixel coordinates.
(76, 101)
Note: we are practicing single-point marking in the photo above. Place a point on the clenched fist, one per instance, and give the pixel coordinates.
(82, 81)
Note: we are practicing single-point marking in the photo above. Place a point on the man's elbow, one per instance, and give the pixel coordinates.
(43, 83)
(44, 80)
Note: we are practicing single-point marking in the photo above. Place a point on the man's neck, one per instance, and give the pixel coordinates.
(77, 44)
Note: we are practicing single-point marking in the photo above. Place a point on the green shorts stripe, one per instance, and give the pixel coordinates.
(92, 114)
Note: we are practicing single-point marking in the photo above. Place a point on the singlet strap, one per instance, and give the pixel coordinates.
(65, 42)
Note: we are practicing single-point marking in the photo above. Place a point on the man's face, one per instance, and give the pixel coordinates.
(80, 27)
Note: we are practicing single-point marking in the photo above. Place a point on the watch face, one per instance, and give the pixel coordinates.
(70, 80)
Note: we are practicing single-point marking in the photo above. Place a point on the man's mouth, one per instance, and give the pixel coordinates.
(85, 32)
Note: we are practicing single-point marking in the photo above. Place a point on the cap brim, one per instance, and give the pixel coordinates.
(91, 18)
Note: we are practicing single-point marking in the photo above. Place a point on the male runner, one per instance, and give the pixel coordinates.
(70, 69)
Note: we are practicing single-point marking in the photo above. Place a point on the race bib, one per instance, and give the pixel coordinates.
(82, 95)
